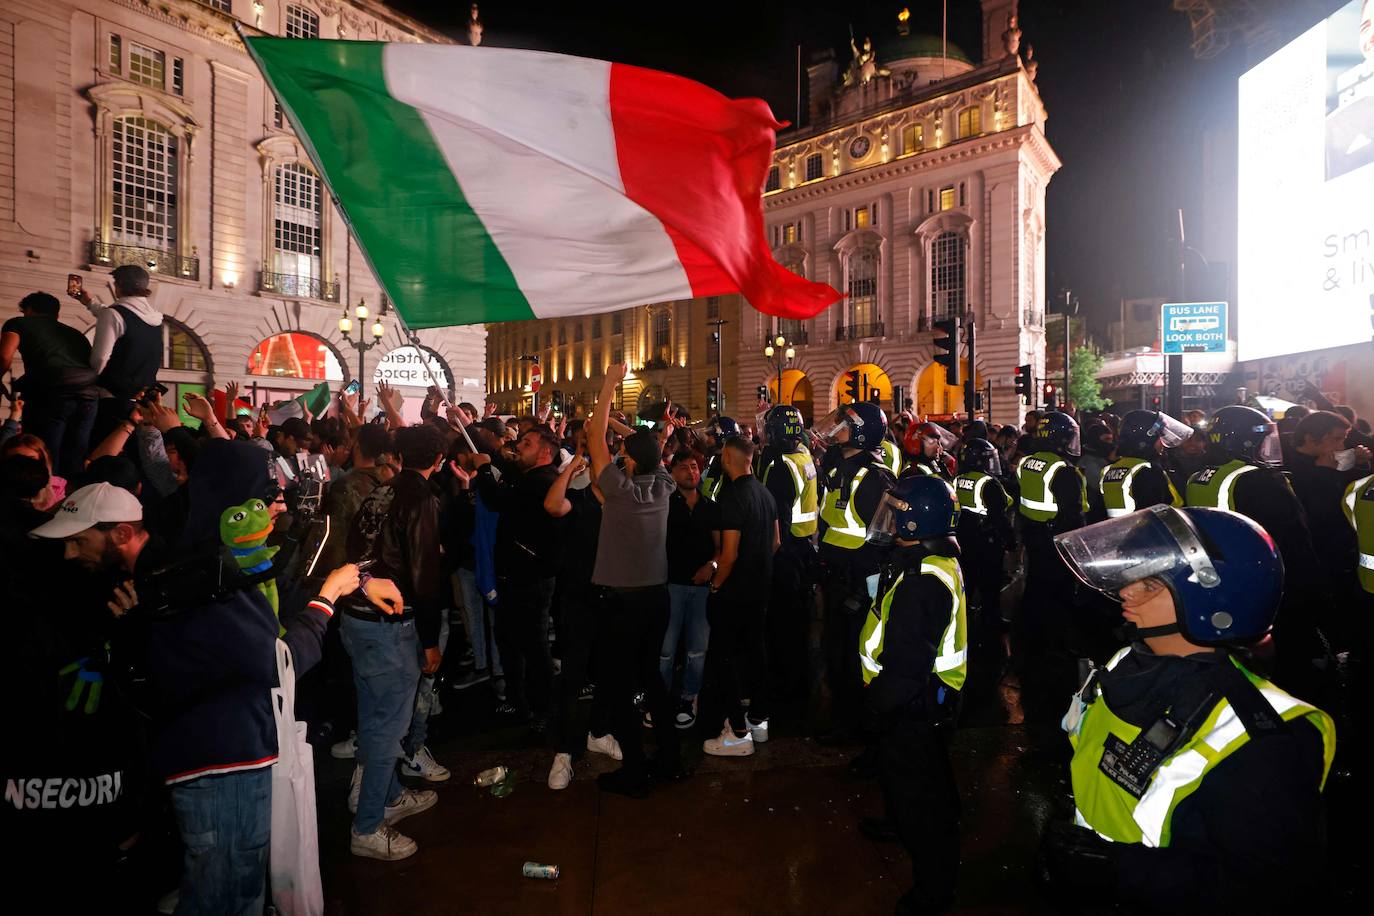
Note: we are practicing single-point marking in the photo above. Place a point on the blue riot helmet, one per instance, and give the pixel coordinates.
(866, 423)
(725, 428)
(1143, 430)
(980, 455)
(1224, 572)
(917, 508)
(783, 425)
(1058, 432)
(1243, 433)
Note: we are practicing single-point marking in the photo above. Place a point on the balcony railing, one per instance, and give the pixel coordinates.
(797, 337)
(859, 331)
(1034, 318)
(298, 286)
(153, 260)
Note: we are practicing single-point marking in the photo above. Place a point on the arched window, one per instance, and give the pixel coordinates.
(947, 275)
(295, 355)
(144, 176)
(861, 282)
(296, 220)
(180, 350)
(301, 23)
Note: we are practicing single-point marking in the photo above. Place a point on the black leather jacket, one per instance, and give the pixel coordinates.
(397, 530)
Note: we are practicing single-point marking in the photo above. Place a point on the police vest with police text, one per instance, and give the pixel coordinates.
(951, 655)
(1359, 511)
(968, 488)
(1035, 474)
(1117, 481)
(804, 498)
(1142, 813)
(1214, 488)
(845, 528)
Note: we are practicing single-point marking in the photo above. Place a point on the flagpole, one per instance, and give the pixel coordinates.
(309, 147)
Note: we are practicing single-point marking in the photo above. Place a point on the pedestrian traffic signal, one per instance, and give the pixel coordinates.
(851, 385)
(947, 348)
(1025, 381)
(712, 395)
(1050, 400)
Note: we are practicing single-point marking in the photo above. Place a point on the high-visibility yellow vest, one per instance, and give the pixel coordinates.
(804, 491)
(713, 480)
(1035, 474)
(1116, 814)
(892, 457)
(1359, 511)
(1214, 488)
(844, 526)
(1117, 481)
(951, 655)
(968, 487)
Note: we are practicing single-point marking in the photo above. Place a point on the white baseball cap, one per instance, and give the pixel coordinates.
(91, 505)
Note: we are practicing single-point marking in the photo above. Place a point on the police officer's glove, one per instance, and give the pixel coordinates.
(1073, 859)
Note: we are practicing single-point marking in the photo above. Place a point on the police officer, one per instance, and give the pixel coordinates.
(786, 468)
(892, 454)
(1359, 511)
(1197, 783)
(1053, 500)
(722, 428)
(1137, 478)
(855, 479)
(926, 445)
(914, 653)
(1243, 474)
(985, 532)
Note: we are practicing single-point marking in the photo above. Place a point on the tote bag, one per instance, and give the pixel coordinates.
(294, 862)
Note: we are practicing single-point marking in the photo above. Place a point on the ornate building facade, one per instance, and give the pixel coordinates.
(918, 190)
(141, 132)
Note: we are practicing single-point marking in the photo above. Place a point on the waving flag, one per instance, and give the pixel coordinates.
(487, 184)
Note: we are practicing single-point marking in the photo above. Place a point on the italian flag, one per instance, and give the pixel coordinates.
(487, 184)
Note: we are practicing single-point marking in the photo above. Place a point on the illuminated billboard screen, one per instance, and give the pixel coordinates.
(1305, 269)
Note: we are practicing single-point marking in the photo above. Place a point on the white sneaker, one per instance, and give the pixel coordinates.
(606, 744)
(346, 749)
(757, 730)
(412, 801)
(729, 745)
(355, 786)
(386, 844)
(425, 766)
(561, 772)
(167, 903)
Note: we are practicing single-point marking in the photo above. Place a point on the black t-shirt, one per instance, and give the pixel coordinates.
(746, 506)
(690, 544)
(53, 352)
(582, 530)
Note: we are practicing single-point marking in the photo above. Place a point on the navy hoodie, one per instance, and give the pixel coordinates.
(215, 664)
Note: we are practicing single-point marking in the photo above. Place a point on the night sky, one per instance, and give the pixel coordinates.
(1128, 104)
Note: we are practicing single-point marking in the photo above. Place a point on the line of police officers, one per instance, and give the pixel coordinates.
(1178, 802)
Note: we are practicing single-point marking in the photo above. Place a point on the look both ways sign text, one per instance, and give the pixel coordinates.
(1193, 327)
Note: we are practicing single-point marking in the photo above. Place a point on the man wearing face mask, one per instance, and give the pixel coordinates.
(1197, 783)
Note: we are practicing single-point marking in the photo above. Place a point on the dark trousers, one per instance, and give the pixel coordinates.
(923, 802)
(633, 622)
(982, 563)
(578, 624)
(109, 413)
(846, 604)
(522, 634)
(790, 607)
(64, 425)
(1044, 641)
(736, 660)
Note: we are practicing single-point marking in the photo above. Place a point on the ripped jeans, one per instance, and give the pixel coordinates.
(687, 619)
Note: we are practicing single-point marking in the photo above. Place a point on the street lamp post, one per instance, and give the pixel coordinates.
(779, 354)
(362, 345)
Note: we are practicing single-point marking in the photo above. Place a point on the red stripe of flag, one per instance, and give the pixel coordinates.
(697, 160)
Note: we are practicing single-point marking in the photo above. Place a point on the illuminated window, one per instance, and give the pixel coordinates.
(947, 274)
(774, 180)
(862, 284)
(814, 167)
(301, 23)
(147, 65)
(295, 355)
(861, 218)
(178, 75)
(180, 350)
(789, 234)
(947, 198)
(913, 138)
(144, 206)
(278, 119)
(796, 266)
(115, 55)
(297, 218)
(970, 122)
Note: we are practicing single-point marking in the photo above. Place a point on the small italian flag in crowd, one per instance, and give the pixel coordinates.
(487, 184)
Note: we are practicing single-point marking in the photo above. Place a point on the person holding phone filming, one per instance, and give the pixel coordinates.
(127, 351)
(1197, 783)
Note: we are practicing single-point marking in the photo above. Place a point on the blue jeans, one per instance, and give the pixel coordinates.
(477, 620)
(64, 425)
(426, 697)
(386, 673)
(686, 618)
(225, 824)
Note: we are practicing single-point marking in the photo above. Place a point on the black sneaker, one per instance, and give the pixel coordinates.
(471, 679)
(686, 716)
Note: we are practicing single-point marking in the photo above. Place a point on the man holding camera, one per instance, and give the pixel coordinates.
(211, 657)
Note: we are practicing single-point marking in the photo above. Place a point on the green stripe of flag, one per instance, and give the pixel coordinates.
(429, 249)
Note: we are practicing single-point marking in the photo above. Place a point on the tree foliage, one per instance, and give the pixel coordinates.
(1085, 391)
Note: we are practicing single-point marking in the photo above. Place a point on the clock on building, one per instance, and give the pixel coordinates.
(859, 147)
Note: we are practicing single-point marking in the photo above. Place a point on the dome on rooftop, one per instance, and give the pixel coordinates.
(904, 47)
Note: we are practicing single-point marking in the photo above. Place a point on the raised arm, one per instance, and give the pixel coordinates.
(597, 451)
(556, 501)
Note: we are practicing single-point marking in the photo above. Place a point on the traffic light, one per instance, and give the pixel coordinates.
(1024, 382)
(712, 395)
(978, 400)
(763, 394)
(851, 385)
(1050, 400)
(898, 396)
(949, 344)
(1154, 402)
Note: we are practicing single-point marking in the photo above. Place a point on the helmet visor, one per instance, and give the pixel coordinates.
(948, 441)
(993, 463)
(1158, 541)
(1271, 449)
(883, 528)
(1172, 433)
(1074, 446)
(827, 427)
